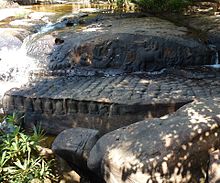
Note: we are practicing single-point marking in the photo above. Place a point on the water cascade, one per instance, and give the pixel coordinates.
(215, 57)
(216, 65)
(15, 68)
(16, 65)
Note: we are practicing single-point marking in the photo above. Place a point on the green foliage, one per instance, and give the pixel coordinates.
(120, 3)
(20, 161)
(163, 5)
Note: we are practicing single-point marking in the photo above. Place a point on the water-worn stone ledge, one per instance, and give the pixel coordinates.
(104, 103)
(125, 89)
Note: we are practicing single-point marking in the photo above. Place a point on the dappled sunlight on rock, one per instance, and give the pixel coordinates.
(214, 167)
(161, 149)
(110, 72)
(168, 139)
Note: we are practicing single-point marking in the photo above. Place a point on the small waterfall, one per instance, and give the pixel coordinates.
(15, 68)
(15, 65)
(215, 58)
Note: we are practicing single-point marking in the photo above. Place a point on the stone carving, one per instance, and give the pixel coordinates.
(173, 149)
(74, 145)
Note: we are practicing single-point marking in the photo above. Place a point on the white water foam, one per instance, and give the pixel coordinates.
(15, 67)
(216, 65)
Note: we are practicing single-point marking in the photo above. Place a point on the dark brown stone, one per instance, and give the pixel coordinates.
(8, 102)
(171, 149)
(71, 106)
(104, 109)
(18, 100)
(83, 107)
(48, 108)
(38, 105)
(59, 41)
(58, 106)
(93, 108)
(28, 105)
(74, 145)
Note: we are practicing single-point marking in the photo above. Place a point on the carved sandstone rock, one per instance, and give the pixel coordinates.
(74, 145)
(132, 44)
(174, 149)
(138, 52)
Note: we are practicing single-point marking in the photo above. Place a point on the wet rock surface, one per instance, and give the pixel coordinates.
(208, 25)
(130, 53)
(175, 148)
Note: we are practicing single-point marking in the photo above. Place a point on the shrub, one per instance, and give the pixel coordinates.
(20, 161)
(163, 5)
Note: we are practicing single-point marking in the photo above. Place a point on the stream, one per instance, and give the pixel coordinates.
(101, 72)
(39, 20)
(16, 65)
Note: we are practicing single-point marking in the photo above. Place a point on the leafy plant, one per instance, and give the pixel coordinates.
(20, 161)
(163, 5)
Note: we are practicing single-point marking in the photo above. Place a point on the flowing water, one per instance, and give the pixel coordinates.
(216, 60)
(15, 65)
(215, 57)
(15, 68)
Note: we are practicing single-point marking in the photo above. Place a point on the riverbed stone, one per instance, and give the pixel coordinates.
(149, 52)
(40, 47)
(171, 149)
(74, 145)
(6, 11)
(9, 38)
(206, 21)
(130, 45)
(40, 15)
(108, 103)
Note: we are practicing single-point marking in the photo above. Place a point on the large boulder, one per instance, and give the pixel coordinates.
(74, 145)
(172, 149)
